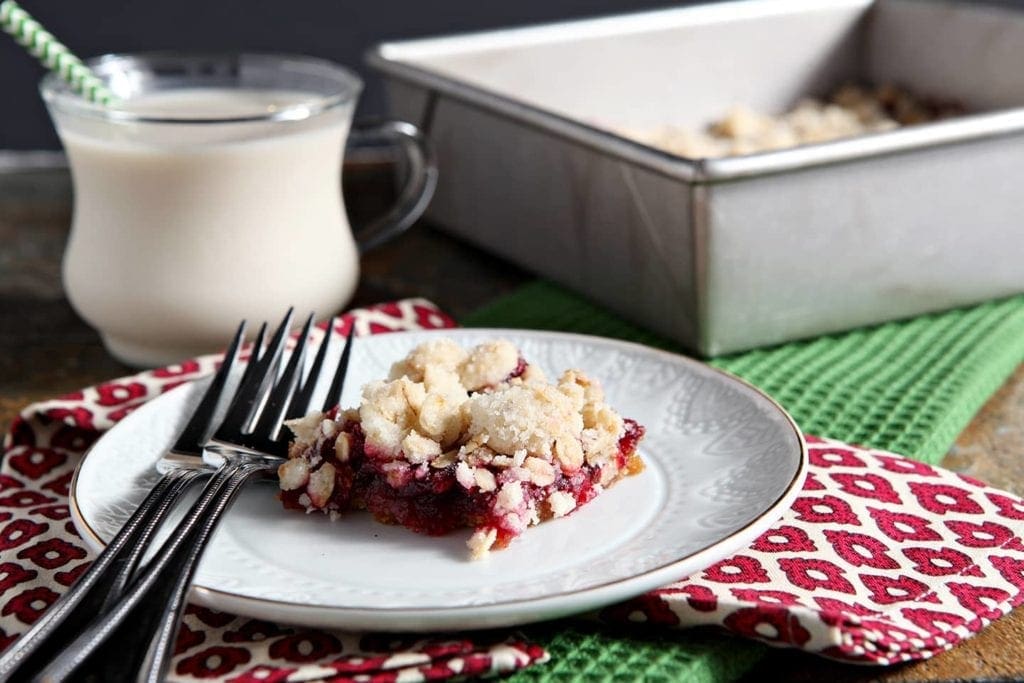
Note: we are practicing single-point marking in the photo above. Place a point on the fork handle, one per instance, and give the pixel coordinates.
(105, 579)
(154, 649)
(148, 612)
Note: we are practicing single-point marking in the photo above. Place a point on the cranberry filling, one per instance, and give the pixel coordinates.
(433, 502)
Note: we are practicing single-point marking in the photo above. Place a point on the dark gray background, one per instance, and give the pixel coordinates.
(333, 29)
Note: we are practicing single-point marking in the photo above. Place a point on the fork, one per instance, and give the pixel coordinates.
(110, 573)
(135, 638)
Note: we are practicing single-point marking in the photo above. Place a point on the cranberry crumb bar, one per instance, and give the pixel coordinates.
(458, 438)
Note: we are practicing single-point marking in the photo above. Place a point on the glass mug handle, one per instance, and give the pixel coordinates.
(419, 185)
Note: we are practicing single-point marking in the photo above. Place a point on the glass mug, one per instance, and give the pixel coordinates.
(212, 194)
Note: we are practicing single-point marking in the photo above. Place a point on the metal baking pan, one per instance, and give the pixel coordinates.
(733, 253)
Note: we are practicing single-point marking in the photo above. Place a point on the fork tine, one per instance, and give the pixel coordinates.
(200, 425)
(333, 397)
(304, 395)
(274, 410)
(254, 385)
(250, 367)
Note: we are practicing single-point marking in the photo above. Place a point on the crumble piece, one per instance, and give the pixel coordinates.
(849, 111)
(458, 438)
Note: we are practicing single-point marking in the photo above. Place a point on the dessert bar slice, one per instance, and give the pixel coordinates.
(456, 438)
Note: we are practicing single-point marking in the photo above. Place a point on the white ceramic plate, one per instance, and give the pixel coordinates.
(723, 462)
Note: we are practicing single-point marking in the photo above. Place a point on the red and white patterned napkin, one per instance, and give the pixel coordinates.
(881, 559)
(41, 553)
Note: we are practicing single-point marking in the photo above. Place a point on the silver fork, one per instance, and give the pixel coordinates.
(110, 573)
(134, 640)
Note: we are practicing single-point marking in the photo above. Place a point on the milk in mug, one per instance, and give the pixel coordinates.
(185, 227)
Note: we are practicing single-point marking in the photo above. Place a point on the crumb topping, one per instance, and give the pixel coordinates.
(488, 364)
(293, 474)
(531, 418)
(561, 503)
(425, 394)
(851, 110)
(442, 398)
(484, 422)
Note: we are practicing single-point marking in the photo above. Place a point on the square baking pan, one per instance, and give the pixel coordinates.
(728, 254)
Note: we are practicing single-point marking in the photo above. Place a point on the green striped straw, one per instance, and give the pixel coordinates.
(53, 54)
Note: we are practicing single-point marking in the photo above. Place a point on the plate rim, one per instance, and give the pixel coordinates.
(433, 618)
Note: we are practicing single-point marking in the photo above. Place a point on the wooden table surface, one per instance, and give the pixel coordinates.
(46, 350)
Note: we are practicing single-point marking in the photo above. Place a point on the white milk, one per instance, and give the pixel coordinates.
(181, 230)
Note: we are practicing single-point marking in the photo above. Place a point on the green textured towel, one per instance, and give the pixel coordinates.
(908, 387)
